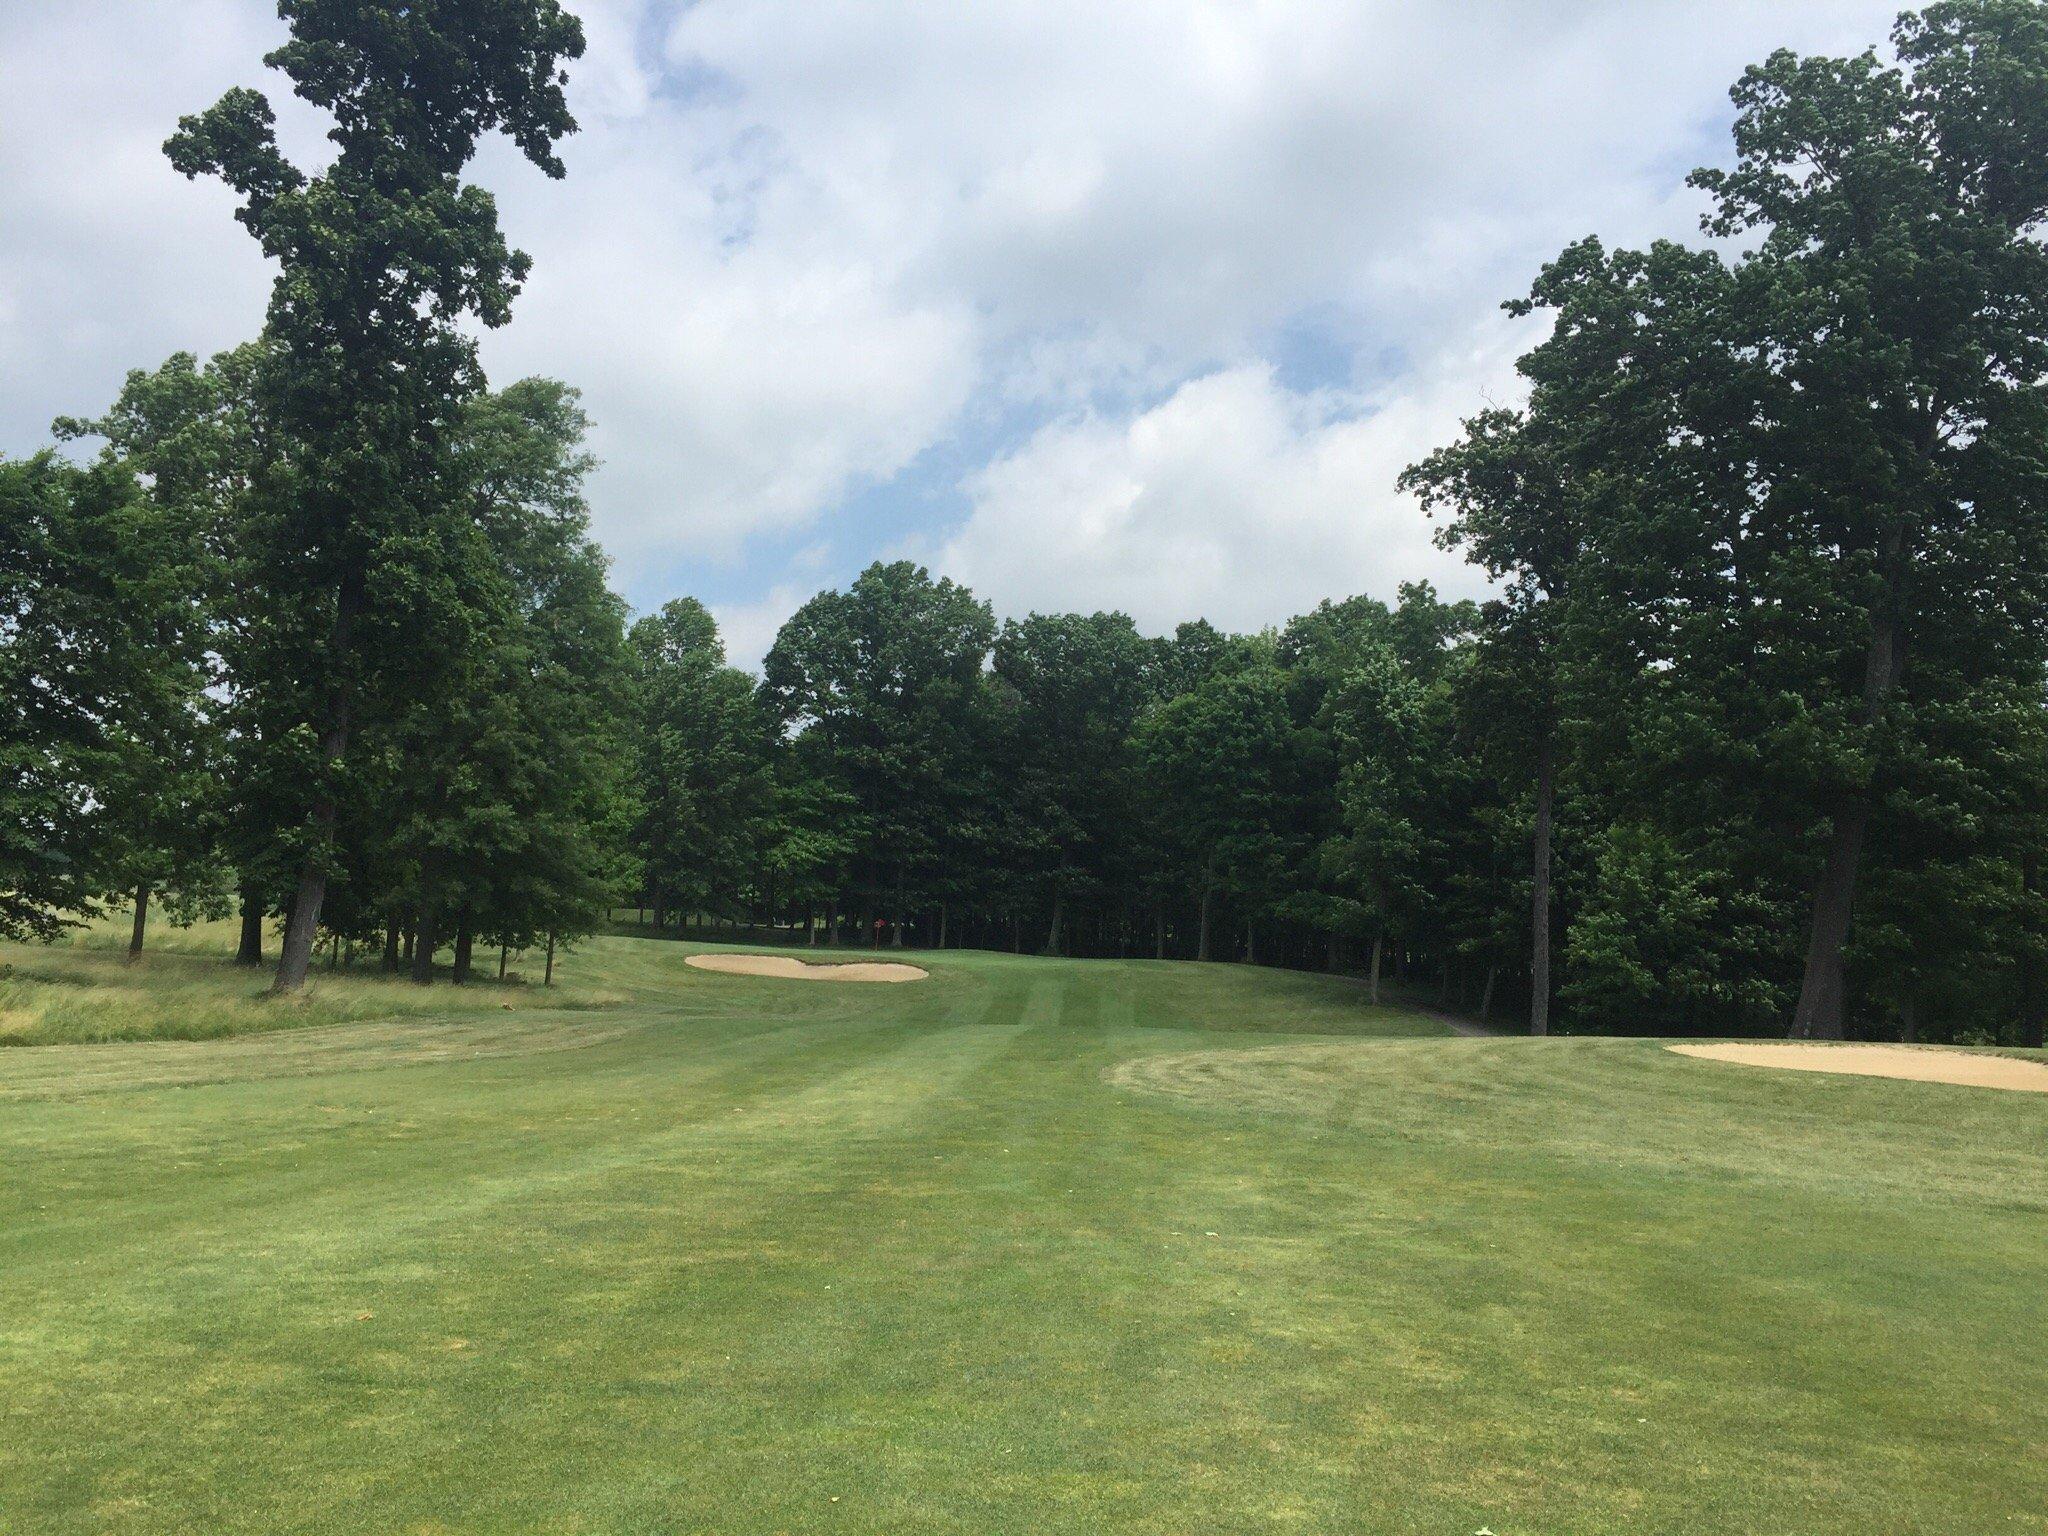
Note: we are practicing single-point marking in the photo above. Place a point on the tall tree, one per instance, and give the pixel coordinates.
(508, 799)
(1900, 295)
(1217, 772)
(1079, 682)
(382, 256)
(1507, 493)
(702, 740)
(102, 682)
(883, 682)
(1379, 715)
(191, 435)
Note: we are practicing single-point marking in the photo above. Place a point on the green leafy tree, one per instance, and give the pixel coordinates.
(382, 256)
(1216, 766)
(1898, 293)
(883, 682)
(191, 802)
(807, 836)
(1507, 489)
(702, 740)
(1379, 854)
(509, 794)
(102, 688)
(1414, 642)
(1078, 682)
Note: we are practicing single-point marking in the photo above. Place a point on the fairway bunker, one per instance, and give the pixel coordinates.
(798, 970)
(1907, 1063)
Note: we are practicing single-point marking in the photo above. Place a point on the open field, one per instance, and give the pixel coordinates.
(1029, 1246)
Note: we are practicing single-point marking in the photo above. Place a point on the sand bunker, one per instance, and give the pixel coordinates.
(798, 970)
(1914, 1065)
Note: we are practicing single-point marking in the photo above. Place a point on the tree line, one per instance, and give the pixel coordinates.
(1750, 736)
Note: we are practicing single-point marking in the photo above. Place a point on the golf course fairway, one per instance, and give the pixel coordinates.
(1031, 1246)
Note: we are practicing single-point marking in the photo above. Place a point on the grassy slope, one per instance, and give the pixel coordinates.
(81, 990)
(981, 1254)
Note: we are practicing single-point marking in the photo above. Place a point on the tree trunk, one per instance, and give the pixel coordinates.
(1909, 1019)
(1159, 933)
(1819, 1014)
(504, 956)
(832, 923)
(1486, 996)
(304, 921)
(1251, 943)
(424, 946)
(465, 942)
(2033, 1005)
(391, 945)
(250, 950)
(412, 932)
(1052, 937)
(141, 923)
(548, 977)
(1539, 904)
(1202, 928)
(1379, 945)
(944, 914)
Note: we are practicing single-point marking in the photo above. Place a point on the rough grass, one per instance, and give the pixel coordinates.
(1030, 1247)
(82, 990)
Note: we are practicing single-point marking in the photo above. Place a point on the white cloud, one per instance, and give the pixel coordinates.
(108, 259)
(748, 629)
(735, 396)
(805, 243)
(745, 365)
(1184, 173)
(1234, 498)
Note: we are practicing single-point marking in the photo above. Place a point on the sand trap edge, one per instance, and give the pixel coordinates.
(1901, 1063)
(786, 968)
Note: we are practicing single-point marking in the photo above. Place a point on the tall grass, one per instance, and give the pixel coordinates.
(185, 987)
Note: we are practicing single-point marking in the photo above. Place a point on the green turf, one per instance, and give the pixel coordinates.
(1028, 1247)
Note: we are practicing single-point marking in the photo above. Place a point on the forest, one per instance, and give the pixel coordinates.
(1749, 737)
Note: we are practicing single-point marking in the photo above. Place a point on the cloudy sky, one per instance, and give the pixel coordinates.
(1140, 305)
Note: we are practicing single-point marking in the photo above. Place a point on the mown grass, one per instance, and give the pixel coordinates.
(1030, 1246)
(83, 990)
